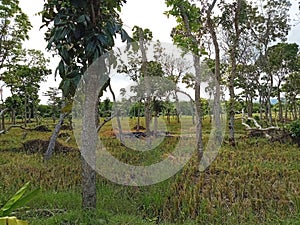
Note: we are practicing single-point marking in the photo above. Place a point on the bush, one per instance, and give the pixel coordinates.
(295, 130)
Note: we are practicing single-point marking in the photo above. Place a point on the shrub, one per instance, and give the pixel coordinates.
(295, 130)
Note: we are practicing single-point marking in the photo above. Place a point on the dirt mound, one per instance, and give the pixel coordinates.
(63, 135)
(66, 127)
(140, 127)
(40, 146)
(41, 128)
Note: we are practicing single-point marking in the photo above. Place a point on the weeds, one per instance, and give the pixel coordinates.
(254, 183)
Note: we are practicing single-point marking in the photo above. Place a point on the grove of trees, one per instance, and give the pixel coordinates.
(243, 44)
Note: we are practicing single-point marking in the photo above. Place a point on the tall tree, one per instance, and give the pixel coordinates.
(24, 78)
(80, 32)
(187, 34)
(54, 101)
(14, 28)
(268, 22)
(282, 59)
(233, 15)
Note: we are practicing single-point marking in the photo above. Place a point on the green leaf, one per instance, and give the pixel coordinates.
(18, 200)
(79, 3)
(23, 201)
(125, 36)
(18, 195)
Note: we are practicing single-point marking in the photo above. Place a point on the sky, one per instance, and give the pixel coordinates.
(144, 13)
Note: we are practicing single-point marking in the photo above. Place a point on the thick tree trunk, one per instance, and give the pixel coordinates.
(89, 196)
(90, 135)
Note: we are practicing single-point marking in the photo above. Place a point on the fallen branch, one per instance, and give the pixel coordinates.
(13, 126)
(257, 125)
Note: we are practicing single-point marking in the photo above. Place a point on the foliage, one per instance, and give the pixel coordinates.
(54, 101)
(295, 128)
(80, 32)
(14, 28)
(18, 200)
(195, 20)
(24, 78)
(105, 108)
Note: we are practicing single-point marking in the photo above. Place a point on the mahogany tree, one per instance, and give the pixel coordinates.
(80, 32)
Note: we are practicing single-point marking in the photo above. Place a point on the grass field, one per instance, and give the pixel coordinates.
(256, 182)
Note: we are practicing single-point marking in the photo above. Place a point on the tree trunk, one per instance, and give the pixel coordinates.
(233, 56)
(280, 113)
(155, 129)
(196, 64)
(217, 97)
(13, 121)
(147, 84)
(177, 108)
(90, 135)
(138, 118)
(52, 142)
(250, 107)
(260, 108)
(117, 114)
(269, 105)
(25, 112)
(148, 115)
(2, 125)
(89, 196)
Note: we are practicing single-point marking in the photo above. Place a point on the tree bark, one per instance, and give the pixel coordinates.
(90, 135)
(233, 56)
(147, 84)
(217, 97)
(2, 127)
(120, 133)
(52, 142)
(196, 64)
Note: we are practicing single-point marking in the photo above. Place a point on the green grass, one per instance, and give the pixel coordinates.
(254, 183)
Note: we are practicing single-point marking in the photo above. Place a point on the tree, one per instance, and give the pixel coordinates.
(24, 78)
(14, 28)
(175, 69)
(14, 105)
(187, 34)
(232, 20)
(268, 24)
(80, 32)
(282, 59)
(105, 108)
(292, 91)
(54, 101)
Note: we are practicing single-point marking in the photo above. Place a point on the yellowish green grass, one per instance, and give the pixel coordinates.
(255, 183)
